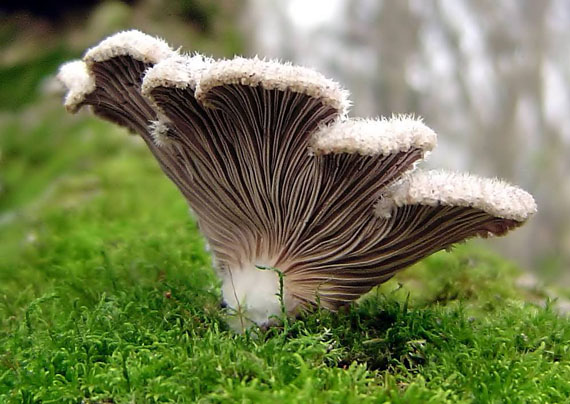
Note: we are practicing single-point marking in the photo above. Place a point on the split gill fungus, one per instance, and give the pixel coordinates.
(279, 177)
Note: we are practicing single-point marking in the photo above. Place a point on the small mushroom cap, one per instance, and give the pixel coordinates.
(433, 188)
(178, 71)
(78, 77)
(133, 43)
(374, 136)
(272, 75)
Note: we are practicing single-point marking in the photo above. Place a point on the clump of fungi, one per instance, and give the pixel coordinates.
(279, 177)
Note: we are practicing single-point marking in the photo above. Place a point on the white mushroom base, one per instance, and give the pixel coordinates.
(253, 296)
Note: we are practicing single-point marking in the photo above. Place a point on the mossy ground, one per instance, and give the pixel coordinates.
(107, 296)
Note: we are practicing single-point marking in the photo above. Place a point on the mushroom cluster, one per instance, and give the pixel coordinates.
(279, 177)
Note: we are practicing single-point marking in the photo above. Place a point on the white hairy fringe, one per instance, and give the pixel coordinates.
(434, 188)
(178, 71)
(374, 136)
(272, 75)
(133, 43)
(76, 78)
(79, 81)
(158, 130)
(173, 70)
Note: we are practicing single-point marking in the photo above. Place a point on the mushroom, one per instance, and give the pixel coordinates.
(279, 177)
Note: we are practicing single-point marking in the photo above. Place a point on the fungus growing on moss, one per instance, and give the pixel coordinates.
(278, 176)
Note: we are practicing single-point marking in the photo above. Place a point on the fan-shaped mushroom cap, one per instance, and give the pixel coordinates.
(278, 176)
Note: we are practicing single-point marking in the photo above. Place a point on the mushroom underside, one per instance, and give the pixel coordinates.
(277, 175)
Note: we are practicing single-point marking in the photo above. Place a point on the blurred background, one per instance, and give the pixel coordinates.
(491, 78)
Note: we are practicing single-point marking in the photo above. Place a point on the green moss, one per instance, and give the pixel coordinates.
(107, 295)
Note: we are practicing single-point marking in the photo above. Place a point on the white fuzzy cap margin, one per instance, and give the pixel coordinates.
(434, 188)
(373, 136)
(272, 75)
(76, 78)
(177, 71)
(133, 43)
